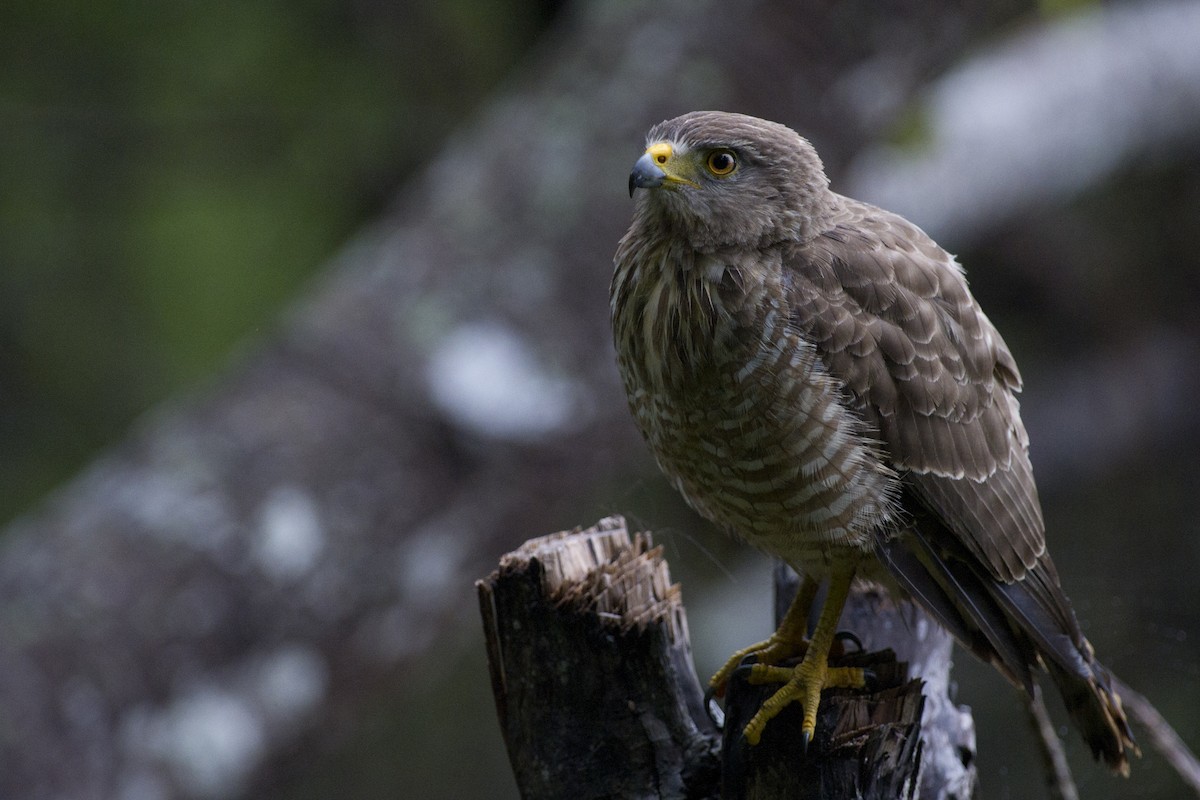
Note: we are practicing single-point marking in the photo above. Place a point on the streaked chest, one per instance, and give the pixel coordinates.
(736, 405)
(682, 319)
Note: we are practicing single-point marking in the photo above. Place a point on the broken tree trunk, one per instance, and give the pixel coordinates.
(592, 672)
(596, 694)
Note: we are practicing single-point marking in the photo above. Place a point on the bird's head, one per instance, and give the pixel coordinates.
(728, 180)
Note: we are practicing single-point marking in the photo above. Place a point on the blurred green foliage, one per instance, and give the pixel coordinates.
(170, 173)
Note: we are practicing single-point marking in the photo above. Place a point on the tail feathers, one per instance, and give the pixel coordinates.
(1095, 708)
(1039, 608)
(960, 605)
(1016, 626)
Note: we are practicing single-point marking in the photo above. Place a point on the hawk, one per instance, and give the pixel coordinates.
(813, 375)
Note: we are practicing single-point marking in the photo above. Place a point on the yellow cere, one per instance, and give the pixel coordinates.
(678, 170)
(660, 152)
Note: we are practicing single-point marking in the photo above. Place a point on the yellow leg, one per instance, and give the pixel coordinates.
(788, 641)
(805, 681)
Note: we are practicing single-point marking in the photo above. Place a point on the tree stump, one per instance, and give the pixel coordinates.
(592, 672)
(597, 697)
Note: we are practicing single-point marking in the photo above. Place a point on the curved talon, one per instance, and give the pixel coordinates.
(712, 709)
(745, 671)
(748, 661)
(842, 636)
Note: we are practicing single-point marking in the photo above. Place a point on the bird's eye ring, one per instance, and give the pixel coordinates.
(721, 162)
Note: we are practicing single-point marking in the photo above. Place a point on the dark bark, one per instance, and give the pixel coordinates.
(592, 670)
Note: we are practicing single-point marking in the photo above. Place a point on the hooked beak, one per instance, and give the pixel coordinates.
(646, 174)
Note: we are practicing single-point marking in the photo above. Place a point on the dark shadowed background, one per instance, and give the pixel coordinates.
(303, 316)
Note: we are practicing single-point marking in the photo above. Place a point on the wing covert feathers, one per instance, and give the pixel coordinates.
(891, 316)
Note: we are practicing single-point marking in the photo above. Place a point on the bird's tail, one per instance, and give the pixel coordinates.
(1095, 708)
(1017, 626)
(1039, 609)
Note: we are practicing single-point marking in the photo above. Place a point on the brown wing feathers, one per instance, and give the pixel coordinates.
(891, 315)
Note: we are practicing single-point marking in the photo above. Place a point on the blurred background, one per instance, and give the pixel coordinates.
(172, 175)
(303, 322)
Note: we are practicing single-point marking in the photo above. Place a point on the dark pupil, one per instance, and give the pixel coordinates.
(722, 162)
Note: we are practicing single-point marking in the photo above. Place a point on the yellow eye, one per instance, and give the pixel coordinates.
(721, 162)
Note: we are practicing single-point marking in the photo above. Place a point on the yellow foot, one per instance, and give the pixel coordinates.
(802, 683)
(777, 649)
(787, 642)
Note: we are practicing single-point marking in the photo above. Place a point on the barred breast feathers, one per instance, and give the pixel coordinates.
(688, 324)
(675, 311)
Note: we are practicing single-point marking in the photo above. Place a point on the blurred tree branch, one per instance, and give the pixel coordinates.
(269, 554)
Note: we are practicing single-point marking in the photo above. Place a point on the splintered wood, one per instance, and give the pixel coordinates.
(591, 669)
(602, 570)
